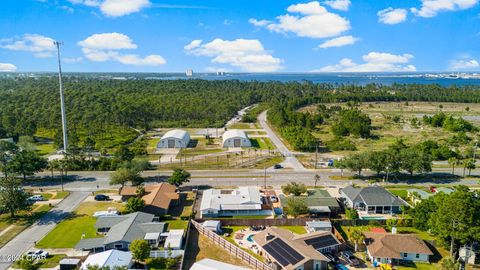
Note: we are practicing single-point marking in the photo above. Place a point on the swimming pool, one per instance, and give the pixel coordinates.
(372, 218)
(250, 238)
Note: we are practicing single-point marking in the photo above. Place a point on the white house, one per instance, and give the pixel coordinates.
(110, 258)
(209, 264)
(391, 248)
(235, 138)
(243, 201)
(176, 138)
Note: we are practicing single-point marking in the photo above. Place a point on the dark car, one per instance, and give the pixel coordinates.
(101, 197)
(277, 166)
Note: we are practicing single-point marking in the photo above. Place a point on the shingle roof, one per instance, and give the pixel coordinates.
(372, 195)
(90, 243)
(387, 245)
(159, 195)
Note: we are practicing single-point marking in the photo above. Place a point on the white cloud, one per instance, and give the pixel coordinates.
(40, 46)
(430, 8)
(72, 59)
(246, 54)
(115, 8)
(338, 42)
(108, 46)
(392, 16)
(7, 67)
(464, 64)
(373, 62)
(308, 20)
(258, 22)
(342, 5)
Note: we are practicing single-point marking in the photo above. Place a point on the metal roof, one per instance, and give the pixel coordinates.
(177, 134)
(110, 258)
(234, 133)
(209, 264)
(243, 198)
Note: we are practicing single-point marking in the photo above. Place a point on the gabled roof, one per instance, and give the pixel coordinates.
(177, 134)
(298, 243)
(125, 228)
(110, 258)
(388, 245)
(158, 195)
(243, 198)
(372, 195)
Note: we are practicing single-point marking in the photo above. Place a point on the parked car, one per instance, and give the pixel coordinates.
(41, 253)
(277, 166)
(273, 199)
(101, 197)
(36, 198)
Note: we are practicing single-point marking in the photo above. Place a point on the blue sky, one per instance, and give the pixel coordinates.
(241, 35)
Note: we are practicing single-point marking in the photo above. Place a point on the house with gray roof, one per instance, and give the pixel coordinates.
(120, 231)
(417, 195)
(318, 201)
(371, 200)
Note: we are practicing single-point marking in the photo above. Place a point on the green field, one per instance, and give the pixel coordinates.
(262, 143)
(68, 232)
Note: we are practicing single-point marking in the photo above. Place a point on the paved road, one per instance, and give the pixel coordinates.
(26, 239)
(290, 159)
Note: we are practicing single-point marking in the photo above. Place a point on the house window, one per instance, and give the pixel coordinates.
(405, 255)
(118, 246)
(417, 256)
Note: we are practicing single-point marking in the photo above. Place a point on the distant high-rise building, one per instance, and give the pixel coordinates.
(189, 72)
(220, 73)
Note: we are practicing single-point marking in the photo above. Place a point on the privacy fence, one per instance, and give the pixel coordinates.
(231, 248)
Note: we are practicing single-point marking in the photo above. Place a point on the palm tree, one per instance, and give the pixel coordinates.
(453, 161)
(357, 237)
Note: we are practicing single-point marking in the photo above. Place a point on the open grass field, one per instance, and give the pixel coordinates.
(45, 148)
(386, 130)
(241, 125)
(295, 229)
(262, 143)
(68, 232)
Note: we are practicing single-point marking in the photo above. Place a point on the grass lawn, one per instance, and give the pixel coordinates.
(241, 126)
(68, 232)
(262, 143)
(268, 162)
(202, 247)
(45, 148)
(402, 193)
(420, 266)
(61, 195)
(50, 262)
(295, 229)
(176, 224)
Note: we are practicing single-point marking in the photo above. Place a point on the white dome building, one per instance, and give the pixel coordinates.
(176, 138)
(235, 138)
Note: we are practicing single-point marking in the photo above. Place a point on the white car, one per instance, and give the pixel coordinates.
(36, 198)
(41, 254)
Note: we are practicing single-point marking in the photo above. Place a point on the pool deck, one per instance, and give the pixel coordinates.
(241, 238)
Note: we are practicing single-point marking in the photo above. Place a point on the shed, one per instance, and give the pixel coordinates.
(69, 263)
(235, 138)
(213, 225)
(174, 239)
(176, 138)
(315, 226)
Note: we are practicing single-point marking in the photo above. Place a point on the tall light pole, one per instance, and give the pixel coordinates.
(62, 101)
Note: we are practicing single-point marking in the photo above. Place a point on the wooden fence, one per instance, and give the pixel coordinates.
(231, 248)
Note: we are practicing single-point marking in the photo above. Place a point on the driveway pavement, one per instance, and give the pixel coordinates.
(290, 160)
(27, 239)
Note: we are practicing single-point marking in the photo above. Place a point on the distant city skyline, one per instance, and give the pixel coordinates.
(241, 36)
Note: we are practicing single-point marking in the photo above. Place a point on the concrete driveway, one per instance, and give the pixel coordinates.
(27, 239)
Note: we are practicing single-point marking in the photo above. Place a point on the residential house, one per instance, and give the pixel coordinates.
(209, 264)
(158, 198)
(319, 225)
(292, 252)
(244, 201)
(120, 231)
(391, 248)
(109, 259)
(371, 200)
(319, 202)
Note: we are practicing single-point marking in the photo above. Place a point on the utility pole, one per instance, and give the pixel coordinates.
(62, 101)
(316, 156)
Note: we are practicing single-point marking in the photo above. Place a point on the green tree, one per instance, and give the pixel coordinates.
(7, 152)
(124, 154)
(470, 165)
(27, 163)
(27, 263)
(448, 263)
(294, 188)
(140, 249)
(453, 161)
(178, 177)
(357, 237)
(123, 175)
(351, 213)
(12, 197)
(295, 207)
(316, 178)
(134, 204)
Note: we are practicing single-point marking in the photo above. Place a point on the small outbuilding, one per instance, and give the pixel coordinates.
(69, 263)
(110, 258)
(235, 138)
(176, 138)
